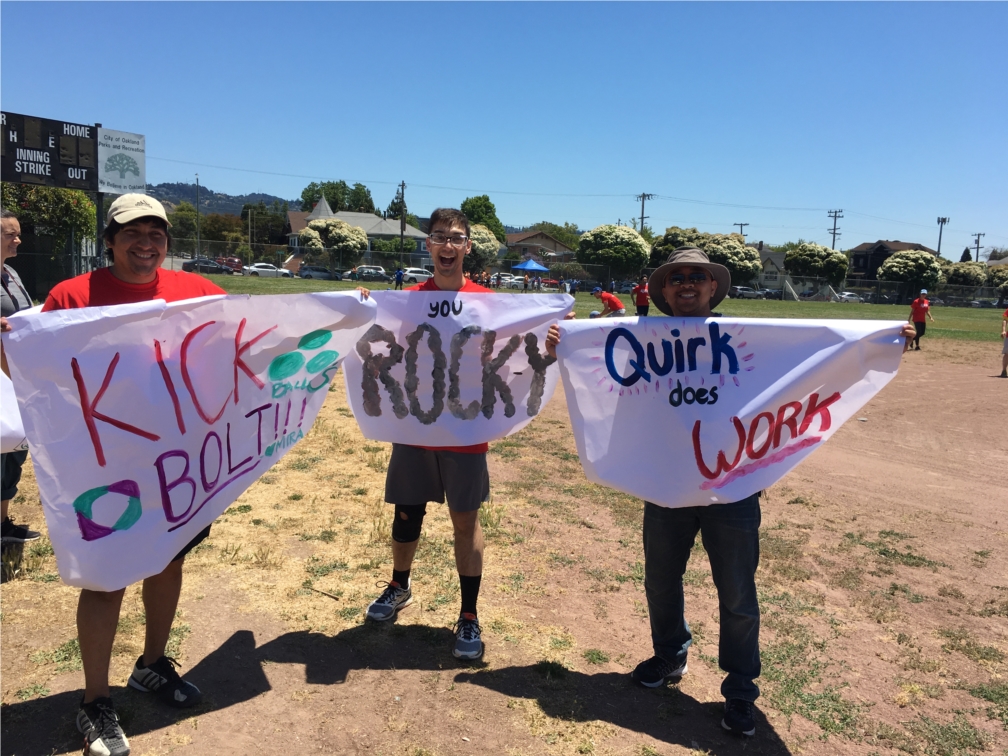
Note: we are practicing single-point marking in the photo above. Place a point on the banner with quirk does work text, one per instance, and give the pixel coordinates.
(689, 412)
(446, 368)
(145, 421)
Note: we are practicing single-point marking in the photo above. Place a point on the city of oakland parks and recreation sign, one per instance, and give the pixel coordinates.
(70, 155)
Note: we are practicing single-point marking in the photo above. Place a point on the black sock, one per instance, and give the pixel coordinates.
(401, 577)
(470, 592)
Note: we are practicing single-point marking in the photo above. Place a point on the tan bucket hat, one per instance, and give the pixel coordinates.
(682, 258)
(129, 207)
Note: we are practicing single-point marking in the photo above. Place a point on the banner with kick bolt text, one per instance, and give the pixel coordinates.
(690, 412)
(447, 368)
(145, 421)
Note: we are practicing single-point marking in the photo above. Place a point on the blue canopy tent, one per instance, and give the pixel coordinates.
(531, 266)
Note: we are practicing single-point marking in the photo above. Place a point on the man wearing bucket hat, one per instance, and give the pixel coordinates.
(137, 242)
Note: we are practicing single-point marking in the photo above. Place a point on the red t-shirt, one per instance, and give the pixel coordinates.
(641, 295)
(918, 310)
(467, 286)
(611, 301)
(100, 288)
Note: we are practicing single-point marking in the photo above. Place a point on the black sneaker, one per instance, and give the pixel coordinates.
(11, 533)
(162, 679)
(738, 717)
(655, 672)
(99, 724)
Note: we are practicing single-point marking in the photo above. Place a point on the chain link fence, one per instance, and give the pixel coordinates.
(42, 263)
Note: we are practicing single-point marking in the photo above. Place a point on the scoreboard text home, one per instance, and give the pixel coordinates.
(51, 153)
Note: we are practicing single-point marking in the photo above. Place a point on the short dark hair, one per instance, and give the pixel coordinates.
(448, 216)
(8, 214)
(114, 227)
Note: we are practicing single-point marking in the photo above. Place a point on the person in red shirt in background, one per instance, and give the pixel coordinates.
(1004, 351)
(641, 297)
(417, 475)
(919, 309)
(612, 306)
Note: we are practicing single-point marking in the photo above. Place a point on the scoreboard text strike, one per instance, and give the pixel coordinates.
(46, 152)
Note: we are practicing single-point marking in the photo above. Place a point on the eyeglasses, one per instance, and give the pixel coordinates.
(455, 240)
(678, 279)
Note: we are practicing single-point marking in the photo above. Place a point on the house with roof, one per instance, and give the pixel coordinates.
(773, 275)
(540, 246)
(865, 259)
(374, 226)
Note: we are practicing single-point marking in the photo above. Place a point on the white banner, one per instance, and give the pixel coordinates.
(690, 412)
(145, 421)
(447, 368)
(122, 162)
(12, 436)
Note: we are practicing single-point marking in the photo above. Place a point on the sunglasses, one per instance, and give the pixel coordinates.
(678, 279)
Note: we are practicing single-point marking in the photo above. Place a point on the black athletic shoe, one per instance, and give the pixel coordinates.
(738, 717)
(655, 672)
(11, 533)
(99, 724)
(162, 679)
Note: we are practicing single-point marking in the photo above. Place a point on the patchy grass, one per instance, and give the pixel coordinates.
(997, 694)
(595, 656)
(955, 738)
(885, 549)
(960, 640)
(66, 657)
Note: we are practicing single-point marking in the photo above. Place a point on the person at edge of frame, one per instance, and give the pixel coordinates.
(14, 298)
(1004, 349)
(418, 475)
(689, 285)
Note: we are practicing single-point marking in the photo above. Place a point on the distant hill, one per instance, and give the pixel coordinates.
(210, 201)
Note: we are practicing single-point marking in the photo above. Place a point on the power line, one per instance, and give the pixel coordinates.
(834, 214)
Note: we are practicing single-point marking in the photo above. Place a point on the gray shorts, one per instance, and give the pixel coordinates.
(1005, 350)
(416, 476)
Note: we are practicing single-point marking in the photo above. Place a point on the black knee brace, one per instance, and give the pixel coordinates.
(407, 523)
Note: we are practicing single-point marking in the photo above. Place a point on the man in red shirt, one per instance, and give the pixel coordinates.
(612, 306)
(417, 475)
(137, 241)
(1004, 350)
(641, 297)
(919, 309)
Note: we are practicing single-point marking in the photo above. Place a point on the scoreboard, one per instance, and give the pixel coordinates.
(49, 153)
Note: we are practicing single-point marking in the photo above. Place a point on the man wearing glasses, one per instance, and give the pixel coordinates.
(417, 475)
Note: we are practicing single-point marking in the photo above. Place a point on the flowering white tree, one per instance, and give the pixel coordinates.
(484, 249)
(918, 268)
(309, 238)
(620, 248)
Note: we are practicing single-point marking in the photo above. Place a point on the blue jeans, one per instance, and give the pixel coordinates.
(730, 534)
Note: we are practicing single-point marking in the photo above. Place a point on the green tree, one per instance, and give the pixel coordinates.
(998, 253)
(966, 274)
(268, 222)
(481, 210)
(183, 220)
(336, 193)
(646, 232)
(217, 226)
(568, 234)
(811, 260)
(569, 271)
(917, 268)
(998, 278)
(122, 164)
(620, 248)
(484, 249)
(345, 243)
(726, 249)
(359, 200)
(966, 256)
(48, 211)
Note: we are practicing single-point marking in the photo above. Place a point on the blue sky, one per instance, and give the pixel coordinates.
(768, 114)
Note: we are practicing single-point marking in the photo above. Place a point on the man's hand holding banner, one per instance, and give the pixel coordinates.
(146, 421)
(689, 412)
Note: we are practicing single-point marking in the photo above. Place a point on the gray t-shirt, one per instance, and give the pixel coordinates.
(15, 296)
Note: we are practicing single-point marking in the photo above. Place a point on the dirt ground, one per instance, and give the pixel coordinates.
(883, 586)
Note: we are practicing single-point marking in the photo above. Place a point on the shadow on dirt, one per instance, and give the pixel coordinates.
(230, 675)
(666, 714)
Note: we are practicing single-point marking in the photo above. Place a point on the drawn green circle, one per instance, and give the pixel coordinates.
(315, 339)
(321, 361)
(285, 365)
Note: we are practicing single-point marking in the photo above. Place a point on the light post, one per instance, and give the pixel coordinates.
(941, 225)
(197, 217)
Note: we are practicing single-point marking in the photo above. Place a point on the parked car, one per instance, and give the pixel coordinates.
(266, 270)
(205, 265)
(318, 271)
(745, 292)
(231, 262)
(626, 287)
(372, 273)
(849, 296)
(416, 275)
(982, 303)
(773, 294)
(550, 283)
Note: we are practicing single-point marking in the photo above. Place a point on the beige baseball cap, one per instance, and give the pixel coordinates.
(129, 207)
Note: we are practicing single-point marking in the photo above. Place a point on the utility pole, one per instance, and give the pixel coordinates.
(100, 222)
(976, 257)
(741, 229)
(642, 197)
(402, 220)
(941, 225)
(197, 217)
(834, 214)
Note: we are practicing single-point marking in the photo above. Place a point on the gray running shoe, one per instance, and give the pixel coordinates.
(468, 640)
(161, 679)
(393, 600)
(99, 724)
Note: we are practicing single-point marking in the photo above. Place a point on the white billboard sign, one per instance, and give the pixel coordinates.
(122, 164)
